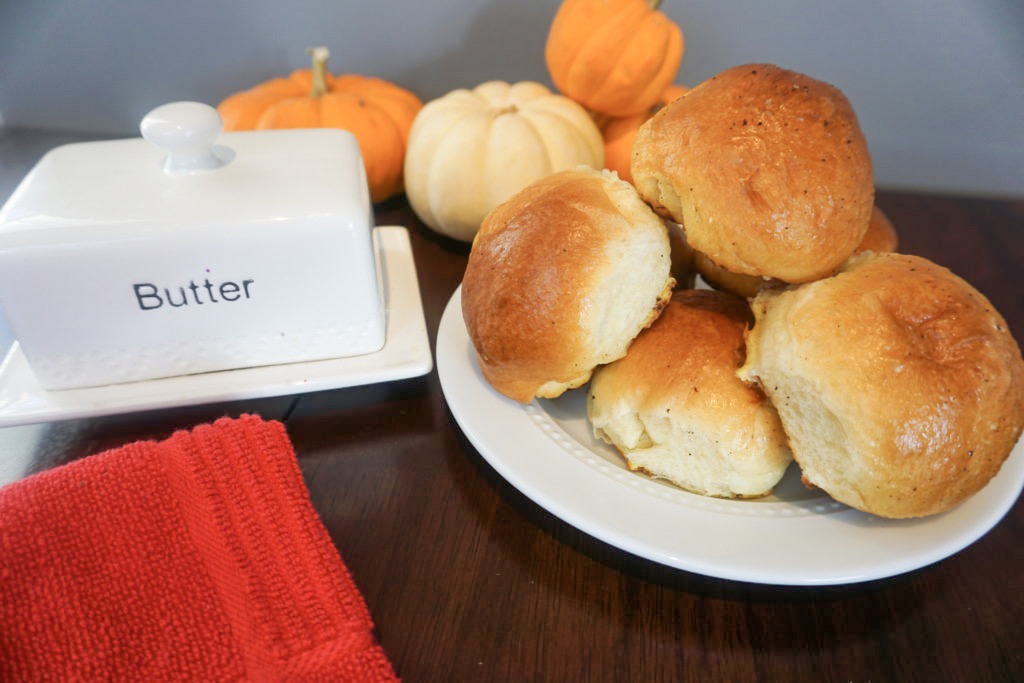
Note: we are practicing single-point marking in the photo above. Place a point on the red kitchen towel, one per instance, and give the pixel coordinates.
(198, 558)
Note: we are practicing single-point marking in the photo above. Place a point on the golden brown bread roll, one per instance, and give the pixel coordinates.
(561, 278)
(675, 409)
(767, 169)
(898, 384)
(746, 286)
(881, 237)
(684, 268)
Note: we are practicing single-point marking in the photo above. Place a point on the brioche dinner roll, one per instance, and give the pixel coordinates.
(561, 278)
(746, 286)
(881, 236)
(675, 409)
(684, 269)
(898, 384)
(767, 169)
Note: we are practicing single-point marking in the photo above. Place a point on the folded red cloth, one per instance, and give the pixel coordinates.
(199, 558)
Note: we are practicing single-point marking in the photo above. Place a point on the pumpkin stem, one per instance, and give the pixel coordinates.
(319, 55)
(655, 4)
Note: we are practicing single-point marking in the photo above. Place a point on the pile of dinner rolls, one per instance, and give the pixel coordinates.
(895, 386)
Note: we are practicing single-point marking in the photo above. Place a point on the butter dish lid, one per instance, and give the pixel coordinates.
(185, 173)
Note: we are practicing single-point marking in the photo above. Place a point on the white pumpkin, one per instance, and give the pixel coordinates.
(470, 150)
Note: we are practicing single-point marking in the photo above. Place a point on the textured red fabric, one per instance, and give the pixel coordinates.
(198, 558)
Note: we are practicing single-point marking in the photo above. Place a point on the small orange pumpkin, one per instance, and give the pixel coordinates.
(619, 133)
(615, 57)
(378, 113)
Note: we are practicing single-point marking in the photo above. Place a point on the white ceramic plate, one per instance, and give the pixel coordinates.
(795, 537)
(406, 353)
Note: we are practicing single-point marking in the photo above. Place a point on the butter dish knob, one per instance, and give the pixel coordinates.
(187, 131)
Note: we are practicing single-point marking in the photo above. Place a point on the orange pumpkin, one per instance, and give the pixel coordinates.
(615, 57)
(378, 113)
(619, 134)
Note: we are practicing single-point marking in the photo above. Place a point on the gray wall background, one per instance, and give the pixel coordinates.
(938, 84)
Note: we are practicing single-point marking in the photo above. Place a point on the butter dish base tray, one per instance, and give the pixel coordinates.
(405, 354)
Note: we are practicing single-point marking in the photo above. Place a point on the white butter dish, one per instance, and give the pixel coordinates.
(190, 251)
(406, 354)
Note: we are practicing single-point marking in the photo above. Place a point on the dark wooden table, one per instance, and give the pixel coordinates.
(468, 579)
